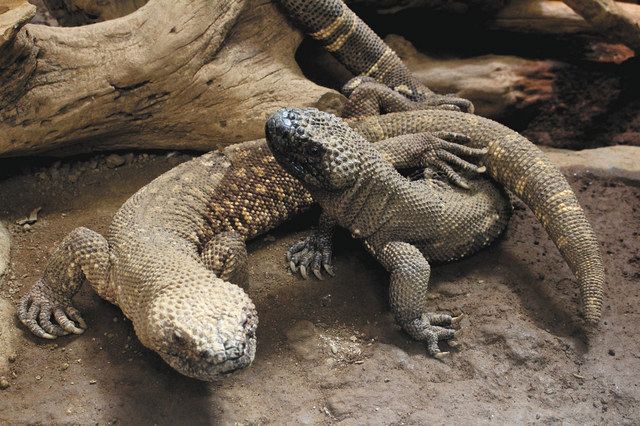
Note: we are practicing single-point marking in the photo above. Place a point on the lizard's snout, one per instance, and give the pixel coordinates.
(279, 127)
(232, 351)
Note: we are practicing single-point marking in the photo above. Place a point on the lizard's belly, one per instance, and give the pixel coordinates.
(469, 221)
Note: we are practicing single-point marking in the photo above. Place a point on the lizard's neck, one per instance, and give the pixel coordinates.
(364, 207)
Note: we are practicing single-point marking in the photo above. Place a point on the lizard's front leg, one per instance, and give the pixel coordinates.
(437, 152)
(83, 254)
(226, 255)
(410, 273)
(315, 251)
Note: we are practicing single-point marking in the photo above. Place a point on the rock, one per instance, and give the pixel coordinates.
(114, 160)
(613, 161)
(521, 346)
(5, 245)
(301, 330)
(304, 340)
(339, 406)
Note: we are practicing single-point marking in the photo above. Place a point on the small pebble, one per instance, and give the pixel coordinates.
(12, 358)
(612, 352)
(38, 377)
(326, 300)
(93, 382)
(114, 160)
(65, 365)
(4, 383)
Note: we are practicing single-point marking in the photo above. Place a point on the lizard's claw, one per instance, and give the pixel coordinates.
(432, 328)
(313, 253)
(36, 310)
(446, 147)
(449, 102)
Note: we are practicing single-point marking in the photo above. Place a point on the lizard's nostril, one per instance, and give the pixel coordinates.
(207, 354)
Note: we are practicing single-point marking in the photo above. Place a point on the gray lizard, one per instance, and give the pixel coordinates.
(408, 224)
(176, 250)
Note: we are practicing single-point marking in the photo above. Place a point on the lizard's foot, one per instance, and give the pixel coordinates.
(444, 153)
(432, 328)
(314, 252)
(36, 309)
(449, 102)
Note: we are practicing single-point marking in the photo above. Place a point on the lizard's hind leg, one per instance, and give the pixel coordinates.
(83, 254)
(410, 274)
(226, 255)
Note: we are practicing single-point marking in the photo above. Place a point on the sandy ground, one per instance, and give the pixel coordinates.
(329, 352)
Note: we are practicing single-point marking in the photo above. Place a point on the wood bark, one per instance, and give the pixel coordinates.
(611, 19)
(173, 74)
(494, 83)
(82, 12)
(617, 20)
(551, 17)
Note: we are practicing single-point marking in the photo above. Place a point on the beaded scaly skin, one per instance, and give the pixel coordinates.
(175, 257)
(408, 224)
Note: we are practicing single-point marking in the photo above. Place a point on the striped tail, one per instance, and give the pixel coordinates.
(354, 44)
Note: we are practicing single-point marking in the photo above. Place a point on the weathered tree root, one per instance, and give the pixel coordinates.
(173, 74)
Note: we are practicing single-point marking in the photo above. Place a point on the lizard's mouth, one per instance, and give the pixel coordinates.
(208, 365)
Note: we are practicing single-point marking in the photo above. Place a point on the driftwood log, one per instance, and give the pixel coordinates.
(554, 103)
(495, 83)
(615, 21)
(204, 74)
(173, 74)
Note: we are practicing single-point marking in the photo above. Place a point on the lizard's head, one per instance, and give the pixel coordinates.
(203, 331)
(314, 146)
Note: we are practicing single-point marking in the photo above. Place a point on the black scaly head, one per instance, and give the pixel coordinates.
(315, 147)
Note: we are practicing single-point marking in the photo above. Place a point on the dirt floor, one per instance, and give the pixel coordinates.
(329, 351)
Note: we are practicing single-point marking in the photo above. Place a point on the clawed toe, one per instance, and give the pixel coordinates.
(312, 254)
(444, 154)
(434, 328)
(441, 355)
(35, 311)
(456, 320)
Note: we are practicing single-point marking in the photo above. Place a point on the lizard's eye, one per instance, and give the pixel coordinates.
(313, 151)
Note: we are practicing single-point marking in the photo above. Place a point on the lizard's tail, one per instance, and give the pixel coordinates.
(522, 168)
(353, 43)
